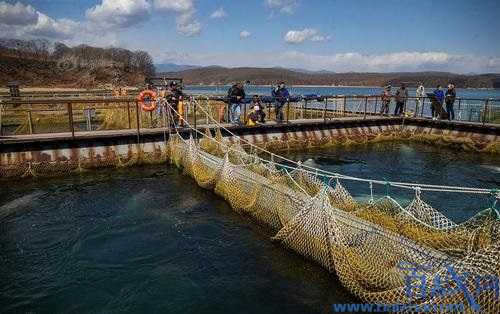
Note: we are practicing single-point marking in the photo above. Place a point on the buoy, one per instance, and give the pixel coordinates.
(147, 100)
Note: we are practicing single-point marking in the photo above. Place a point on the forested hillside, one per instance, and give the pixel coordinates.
(38, 63)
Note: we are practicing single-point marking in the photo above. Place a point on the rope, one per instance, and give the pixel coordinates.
(327, 174)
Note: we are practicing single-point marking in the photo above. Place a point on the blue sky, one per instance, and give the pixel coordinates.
(337, 35)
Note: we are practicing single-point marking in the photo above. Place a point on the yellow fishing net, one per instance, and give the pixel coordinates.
(382, 252)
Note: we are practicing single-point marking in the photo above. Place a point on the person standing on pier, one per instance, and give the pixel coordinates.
(281, 95)
(236, 95)
(401, 96)
(174, 98)
(419, 97)
(450, 100)
(386, 100)
(436, 110)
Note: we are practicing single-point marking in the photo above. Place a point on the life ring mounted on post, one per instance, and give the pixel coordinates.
(147, 100)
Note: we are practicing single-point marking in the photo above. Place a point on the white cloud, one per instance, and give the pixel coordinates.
(245, 34)
(33, 24)
(17, 14)
(282, 6)
(299, 36)
(118, 13)
(346, 62)
(219, 13)
(23, 21)
(320, 38)
(180, 6)
(51, 28)
(187, 24)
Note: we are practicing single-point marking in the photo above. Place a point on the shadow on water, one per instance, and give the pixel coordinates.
(145, 239)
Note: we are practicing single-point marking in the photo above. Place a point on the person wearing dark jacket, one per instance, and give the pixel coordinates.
(401, 96)
(450, 100)
(439, 94)
(257, 114)
(281, 95)
(236, 94)
(174, 96)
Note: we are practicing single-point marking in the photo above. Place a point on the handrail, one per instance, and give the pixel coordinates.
(48, 101)
(265, 99)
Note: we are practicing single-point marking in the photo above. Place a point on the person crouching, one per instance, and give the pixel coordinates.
(257, 114)
(259, 109)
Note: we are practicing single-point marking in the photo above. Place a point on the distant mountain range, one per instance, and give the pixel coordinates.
(45, 63)
(172, 67)
(216, 75)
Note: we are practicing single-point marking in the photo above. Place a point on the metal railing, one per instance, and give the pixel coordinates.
(77, 115)
(76, 93)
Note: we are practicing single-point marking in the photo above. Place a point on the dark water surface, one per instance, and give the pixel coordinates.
(145, 240)
(150, 240)
(416, 163)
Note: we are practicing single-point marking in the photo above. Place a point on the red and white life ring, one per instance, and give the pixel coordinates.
(147, 100)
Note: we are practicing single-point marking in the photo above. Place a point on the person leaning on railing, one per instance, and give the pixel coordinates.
(436, 110)
(386, 100)
(236, 94)
(450, 100)
(174, 95)
(401, 96)
(419, 96)
(281, 94)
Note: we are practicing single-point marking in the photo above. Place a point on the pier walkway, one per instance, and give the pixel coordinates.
(109, 134)
(46, 137)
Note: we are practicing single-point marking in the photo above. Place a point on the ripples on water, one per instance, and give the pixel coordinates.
(413, 163)
(145, 240)
(149, 240)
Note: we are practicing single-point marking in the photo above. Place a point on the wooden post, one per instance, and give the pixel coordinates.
(70, 120)
(137, 121)
(128, 115)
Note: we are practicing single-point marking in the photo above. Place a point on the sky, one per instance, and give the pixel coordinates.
(334, 35)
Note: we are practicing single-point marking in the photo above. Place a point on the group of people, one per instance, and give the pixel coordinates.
(438, 98)
(236, 96)
(172, 93)
(447, 98)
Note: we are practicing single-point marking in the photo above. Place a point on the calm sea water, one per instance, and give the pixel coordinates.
(417, 163)
(323, 90)
(148, 240)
